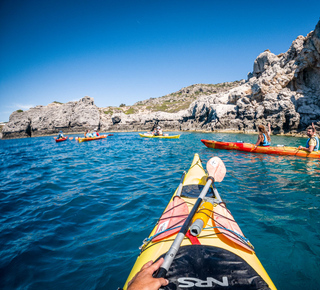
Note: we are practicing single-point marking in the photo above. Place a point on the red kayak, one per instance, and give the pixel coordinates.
(62, 139)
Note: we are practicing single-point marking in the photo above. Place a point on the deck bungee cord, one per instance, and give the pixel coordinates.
(218, 253)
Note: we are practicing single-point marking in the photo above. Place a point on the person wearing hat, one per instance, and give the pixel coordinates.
(60, 135)
(158, 131)
(95, 133)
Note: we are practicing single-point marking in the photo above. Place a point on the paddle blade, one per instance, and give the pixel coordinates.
(172, 219)
(228, 227)
(216, 169)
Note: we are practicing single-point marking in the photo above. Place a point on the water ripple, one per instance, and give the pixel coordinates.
(74, 215)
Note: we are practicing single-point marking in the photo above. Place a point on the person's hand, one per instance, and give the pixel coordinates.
(300, 147)
(143, 280)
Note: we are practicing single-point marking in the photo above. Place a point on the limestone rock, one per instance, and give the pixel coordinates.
(283, 90)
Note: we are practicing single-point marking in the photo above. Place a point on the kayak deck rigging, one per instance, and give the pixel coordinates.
(223, 256)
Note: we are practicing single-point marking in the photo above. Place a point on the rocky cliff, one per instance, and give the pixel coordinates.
(282, 89)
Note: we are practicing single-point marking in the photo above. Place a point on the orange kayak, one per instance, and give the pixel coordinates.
(247, 147)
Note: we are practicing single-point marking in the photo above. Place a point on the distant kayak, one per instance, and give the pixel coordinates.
(146, 135)
(91, 139)
(62, 139)
(247, 147)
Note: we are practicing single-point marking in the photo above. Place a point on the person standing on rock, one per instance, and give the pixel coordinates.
(313, 141)
(264, 136)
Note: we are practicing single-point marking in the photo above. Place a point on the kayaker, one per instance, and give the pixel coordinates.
(158, 131)
(87, 134)
(96, 133)
(144, 280)
(60, 136)
(313, 141)
(264, 136)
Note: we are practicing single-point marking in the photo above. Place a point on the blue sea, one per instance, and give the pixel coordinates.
(72, 216)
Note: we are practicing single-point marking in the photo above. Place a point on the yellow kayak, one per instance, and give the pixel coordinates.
(146, 135)
(220, 256)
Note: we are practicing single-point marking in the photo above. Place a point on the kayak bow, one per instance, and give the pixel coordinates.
(247, 147)
(219, 256)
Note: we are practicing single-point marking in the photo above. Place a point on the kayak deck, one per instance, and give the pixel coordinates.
(216, 261)
(247, 147)
(145, 135)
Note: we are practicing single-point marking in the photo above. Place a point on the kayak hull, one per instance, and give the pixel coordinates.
(61, 139)
(214, 259)
(160, 137)
(91, 139)
(247, 147)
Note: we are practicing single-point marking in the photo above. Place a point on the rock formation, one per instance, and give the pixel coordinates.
(282, 89)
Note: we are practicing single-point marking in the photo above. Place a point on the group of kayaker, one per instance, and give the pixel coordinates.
(87, 134)
(312, 144)
(264, 138)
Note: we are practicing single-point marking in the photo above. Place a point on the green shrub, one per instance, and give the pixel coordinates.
(130, 111)
(122, 105)
(19, 111)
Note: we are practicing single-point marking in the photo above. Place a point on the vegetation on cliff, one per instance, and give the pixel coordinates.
(173, 102)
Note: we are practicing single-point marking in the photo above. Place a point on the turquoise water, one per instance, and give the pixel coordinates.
(73, 215)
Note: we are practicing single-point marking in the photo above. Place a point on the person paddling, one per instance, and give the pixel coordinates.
(87, 134)
(60, 135)
(264, 136)
(313, 141)
(158, 132)
(96, 133)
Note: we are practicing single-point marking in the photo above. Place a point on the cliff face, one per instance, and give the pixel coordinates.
(282, 89)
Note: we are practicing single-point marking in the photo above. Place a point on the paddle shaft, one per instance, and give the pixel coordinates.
(181, 184)
(180, 236)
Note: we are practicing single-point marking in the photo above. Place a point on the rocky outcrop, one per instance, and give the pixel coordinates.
(283, 90)
(44, 120)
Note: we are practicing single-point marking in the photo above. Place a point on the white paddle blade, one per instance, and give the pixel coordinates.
(216, 169)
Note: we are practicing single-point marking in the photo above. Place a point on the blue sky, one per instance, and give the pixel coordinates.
(126, 51)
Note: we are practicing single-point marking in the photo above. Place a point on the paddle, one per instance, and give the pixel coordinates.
(216, 172)
(180, 185)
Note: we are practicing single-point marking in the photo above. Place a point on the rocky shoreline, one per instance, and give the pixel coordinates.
(283, 90)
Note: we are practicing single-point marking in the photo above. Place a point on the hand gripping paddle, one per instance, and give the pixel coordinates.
(216, 172)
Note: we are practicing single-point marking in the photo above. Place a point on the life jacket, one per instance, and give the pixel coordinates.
(316, 148)
(89, 135)
(265, 141)
(60, 136)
